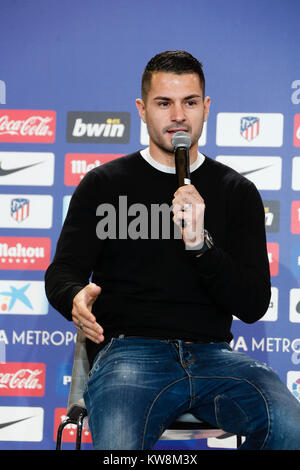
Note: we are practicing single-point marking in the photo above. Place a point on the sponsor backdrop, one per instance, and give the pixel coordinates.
(70, 72)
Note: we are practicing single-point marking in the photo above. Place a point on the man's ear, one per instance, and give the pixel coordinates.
(141, 108)
(206, 107)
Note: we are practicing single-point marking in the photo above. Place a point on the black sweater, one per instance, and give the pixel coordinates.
(155, 287)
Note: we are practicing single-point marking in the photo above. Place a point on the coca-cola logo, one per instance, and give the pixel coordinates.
(35, 126)
(25, 253)
(22, 379)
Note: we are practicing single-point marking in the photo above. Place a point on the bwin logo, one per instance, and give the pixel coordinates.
(112, 128)
(2, 92)
(98, 127)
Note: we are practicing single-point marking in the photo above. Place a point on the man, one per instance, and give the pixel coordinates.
(158, 312)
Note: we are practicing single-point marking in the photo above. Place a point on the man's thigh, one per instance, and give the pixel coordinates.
(135, 387)
(242, 395)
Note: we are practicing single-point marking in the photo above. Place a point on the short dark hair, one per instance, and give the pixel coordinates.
(179, 62)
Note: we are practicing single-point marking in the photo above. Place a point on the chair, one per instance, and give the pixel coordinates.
(185, 427)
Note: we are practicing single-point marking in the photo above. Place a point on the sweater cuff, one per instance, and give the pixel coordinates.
(70, 294)
(208, 264)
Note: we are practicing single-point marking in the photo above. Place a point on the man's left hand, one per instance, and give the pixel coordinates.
(188, 214)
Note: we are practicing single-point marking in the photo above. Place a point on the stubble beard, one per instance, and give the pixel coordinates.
(162, 145)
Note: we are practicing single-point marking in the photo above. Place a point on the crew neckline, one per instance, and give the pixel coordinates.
(145, 153)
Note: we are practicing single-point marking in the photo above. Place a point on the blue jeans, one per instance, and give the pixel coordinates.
(138, 386)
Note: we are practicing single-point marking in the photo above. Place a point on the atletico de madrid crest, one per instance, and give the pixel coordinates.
(249, 127)
(19, 209)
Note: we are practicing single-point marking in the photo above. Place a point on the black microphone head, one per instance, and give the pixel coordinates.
(181, 139)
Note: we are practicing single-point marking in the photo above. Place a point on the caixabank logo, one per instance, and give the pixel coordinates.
(23, 298)
(98, 127)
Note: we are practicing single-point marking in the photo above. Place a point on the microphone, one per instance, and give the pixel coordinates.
(181, 142)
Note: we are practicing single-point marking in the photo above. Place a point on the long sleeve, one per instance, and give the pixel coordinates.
(77, 249)
(150, 286)
(237, 275)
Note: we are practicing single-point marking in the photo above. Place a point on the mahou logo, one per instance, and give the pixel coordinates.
(78, 164)
(22, 379)
(69, 434)
(34, 126)
(25, 253)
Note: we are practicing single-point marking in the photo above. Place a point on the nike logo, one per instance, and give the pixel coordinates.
(10, 423)
(4, 172)
(244, 173)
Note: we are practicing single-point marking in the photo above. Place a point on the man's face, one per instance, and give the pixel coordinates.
(174, 103)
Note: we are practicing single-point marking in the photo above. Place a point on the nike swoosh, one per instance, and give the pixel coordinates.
(244, 173)
(14, 170)
(9, 423)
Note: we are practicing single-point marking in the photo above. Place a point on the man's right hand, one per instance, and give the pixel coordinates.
(82, 315)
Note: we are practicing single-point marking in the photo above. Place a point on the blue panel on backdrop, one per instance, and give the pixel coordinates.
(63, 381)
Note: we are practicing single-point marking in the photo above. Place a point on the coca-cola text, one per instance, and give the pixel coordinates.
(22, 379)
(27, 126)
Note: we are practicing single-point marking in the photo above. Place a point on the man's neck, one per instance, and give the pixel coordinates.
(145, 153)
